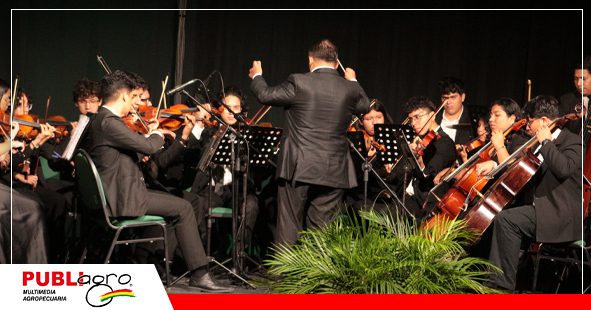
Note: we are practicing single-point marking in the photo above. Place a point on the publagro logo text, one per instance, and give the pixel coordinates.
(100, 292)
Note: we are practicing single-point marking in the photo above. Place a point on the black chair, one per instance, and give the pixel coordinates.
(94, 204)
(566, 255)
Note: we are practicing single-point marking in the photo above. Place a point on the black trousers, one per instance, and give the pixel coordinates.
(510, 227)
(167, 205)
(29, 238)
(224, 198)
(303, 205)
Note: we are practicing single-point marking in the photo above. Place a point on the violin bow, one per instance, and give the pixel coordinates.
(103, 64)
(528, 90)
(12, 98)
(47, 106)
(162, 97)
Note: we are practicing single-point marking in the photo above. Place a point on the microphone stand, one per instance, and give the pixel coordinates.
(367, 166)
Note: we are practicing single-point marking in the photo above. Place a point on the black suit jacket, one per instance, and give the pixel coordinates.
(318, 108)
(558, 190)
(114, 149)
(466, 130)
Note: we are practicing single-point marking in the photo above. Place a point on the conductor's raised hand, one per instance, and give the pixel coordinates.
(350, 74)
(257, 68)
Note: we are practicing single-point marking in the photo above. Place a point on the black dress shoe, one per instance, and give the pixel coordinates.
(207, 284)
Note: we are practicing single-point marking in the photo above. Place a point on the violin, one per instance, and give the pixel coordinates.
(174, 117)
(424, 142)
(5, 122)
(171, 119)
(370, 143)
(474, 144)
(29, 126)
(61, 124)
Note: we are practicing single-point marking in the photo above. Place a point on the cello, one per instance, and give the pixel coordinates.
(522, 166)
(457, 198)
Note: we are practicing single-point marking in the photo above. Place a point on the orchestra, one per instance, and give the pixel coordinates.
(167, 160)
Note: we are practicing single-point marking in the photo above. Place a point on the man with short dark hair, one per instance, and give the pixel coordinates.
(114, 149)
(578, 101)
(455, 120)
(314, 166)
(555, 215)
(437, 155)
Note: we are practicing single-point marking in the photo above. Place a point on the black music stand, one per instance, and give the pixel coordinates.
(395, 139)
(225, 148)
(357, 143)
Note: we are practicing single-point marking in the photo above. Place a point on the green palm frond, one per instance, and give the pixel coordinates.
(378, 253)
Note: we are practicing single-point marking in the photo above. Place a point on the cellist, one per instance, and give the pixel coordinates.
(555, 214)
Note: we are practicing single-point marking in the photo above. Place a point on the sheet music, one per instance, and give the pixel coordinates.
(75, 136)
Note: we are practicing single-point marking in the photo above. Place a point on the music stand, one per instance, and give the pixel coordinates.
(357, 143)
(224, 149)
(395, 139)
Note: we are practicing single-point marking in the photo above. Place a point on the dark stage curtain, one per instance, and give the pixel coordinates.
(397, 54)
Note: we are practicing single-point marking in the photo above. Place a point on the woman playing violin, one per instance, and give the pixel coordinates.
(376, 115)
(503, 113)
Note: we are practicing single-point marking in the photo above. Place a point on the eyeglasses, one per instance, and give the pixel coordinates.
(89, 101)
(415, 118)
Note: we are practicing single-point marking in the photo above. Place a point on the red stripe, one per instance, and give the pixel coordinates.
(365, 302)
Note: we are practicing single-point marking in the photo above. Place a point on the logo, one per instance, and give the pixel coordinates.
(101, 293)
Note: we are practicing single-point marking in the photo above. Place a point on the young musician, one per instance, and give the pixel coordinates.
(439, 154)
(504, 112)
(114, 149)
(555, 214)
(455, 120)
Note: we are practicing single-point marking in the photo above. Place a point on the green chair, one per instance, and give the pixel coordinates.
(94, 203)
(48, 173)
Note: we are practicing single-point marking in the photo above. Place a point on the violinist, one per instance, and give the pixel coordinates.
(221, 174)
(377, 115)
(503, 113)
(114, 149)
(482, 136)
(555, 214)
(437, 155)
(85, 95)
(28, 181)
(29, 237)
